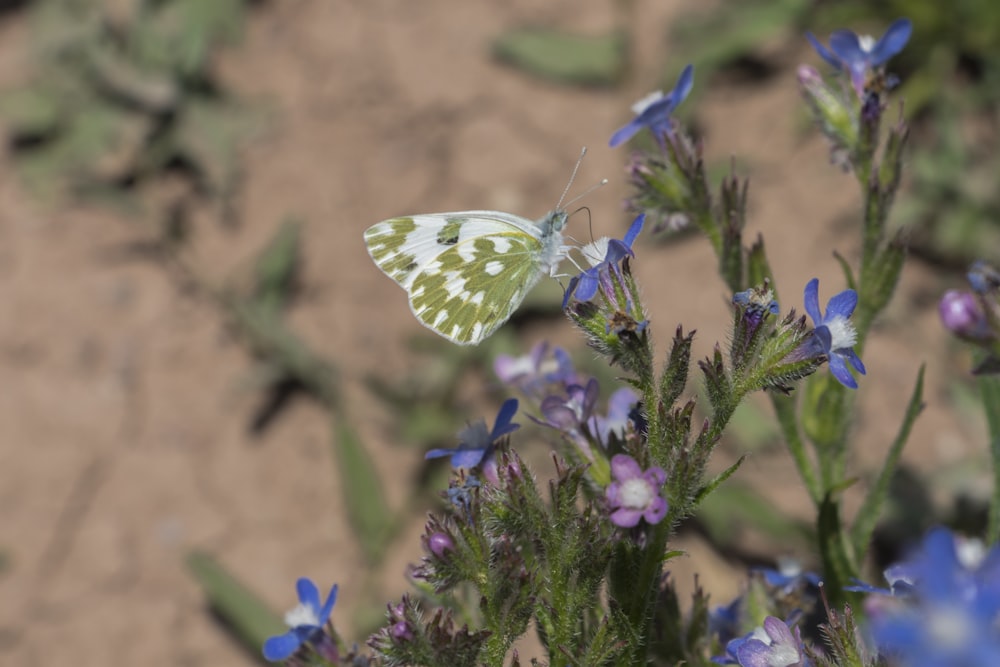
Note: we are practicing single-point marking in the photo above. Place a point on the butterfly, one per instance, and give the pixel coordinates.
(466, 272)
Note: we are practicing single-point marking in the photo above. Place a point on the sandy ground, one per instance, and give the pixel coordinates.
(125, 439)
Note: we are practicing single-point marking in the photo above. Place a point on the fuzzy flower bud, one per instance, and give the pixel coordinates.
(440, 544)
(962, 314)
(835, 115)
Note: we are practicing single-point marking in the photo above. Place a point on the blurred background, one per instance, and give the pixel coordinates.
(205, 376)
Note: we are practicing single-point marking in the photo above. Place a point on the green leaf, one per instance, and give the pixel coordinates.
(367, 509)
(871, 508)
(596, 60)
(989, 386)
(31, 113)
(277, 266)
(250, 620)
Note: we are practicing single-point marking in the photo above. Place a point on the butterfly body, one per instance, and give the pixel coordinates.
(467, 271)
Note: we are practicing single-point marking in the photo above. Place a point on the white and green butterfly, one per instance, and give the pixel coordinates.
(466, 272)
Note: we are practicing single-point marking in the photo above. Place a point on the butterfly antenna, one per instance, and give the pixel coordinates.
(572, 177)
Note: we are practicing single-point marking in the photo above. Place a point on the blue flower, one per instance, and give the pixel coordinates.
(834, 332)
(475, 443)
(953, 609)
(860, 55)
(306, 621)
(653, 111)
(584, 286)
(789, 578)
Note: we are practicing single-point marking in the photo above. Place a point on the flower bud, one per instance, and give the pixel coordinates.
(836, 116)
(440, 544)
(962, 314)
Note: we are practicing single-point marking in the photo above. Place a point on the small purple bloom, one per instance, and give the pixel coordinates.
(604, 256)
(440, 544)
(306, 621)
(475, 443)
(773, 645)
(567, 413)
(834, 333)
(860, 55)
(962, 314)
(620, 406)
(530, 373)
(653, 111)
(635, 494)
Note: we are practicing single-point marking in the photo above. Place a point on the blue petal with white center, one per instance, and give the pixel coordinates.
(834, 332)
(305, 621)
(653, 112)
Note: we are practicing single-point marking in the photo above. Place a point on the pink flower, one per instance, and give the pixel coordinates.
(635, 494)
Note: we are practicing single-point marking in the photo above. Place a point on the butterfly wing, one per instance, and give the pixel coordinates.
(465, 272)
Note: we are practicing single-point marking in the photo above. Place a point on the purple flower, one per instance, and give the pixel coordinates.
(530, 373)
(773, 645)
(950, 619)
(653, 111)
(604, 256)
(834, 333)
(860, 55)
(475, 443)
(620, 406)
(569, 411)
(962, 314)
(635, 494)
(306, 621)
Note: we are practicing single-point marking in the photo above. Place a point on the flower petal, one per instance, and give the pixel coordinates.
(683, 87)
(841, 304)
(655, 511)
(855, 360)
(824, 52)
(308, 593)
(625, 133)
(811, 301)
(839, 370)
(634, 229)
(846, 45)
(331, 599)
(754, 653)
(504, 417)
(612, 494)
(626, 518)
(624, 467)
(892, 42)
(778, 631)
(586, 288)
(655, 476)
(557, 414)
(281, 647)
(467, 458)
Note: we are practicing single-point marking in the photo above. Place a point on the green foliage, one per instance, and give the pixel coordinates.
(250, 620)
(122, 94)
(597, 60)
